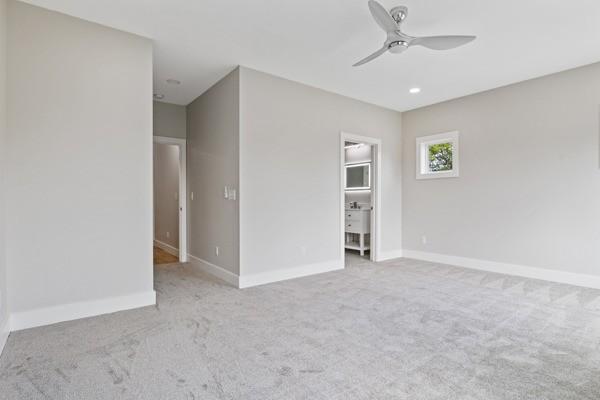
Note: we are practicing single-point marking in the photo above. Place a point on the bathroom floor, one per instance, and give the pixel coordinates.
(352, 254)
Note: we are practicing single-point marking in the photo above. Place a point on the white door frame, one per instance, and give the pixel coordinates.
(375, 250)
(181, 143)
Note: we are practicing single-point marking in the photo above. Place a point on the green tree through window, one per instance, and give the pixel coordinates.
(440, 157)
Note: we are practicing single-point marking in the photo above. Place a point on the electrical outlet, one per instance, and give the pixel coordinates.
(226, 192)
(232, 194)
(217, 251)
(424, 240)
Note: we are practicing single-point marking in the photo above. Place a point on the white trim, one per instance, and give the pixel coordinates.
(390, 255)
(182, 144)
(570, 278)
(167, 247)
(4, 332)
(375, 192)
(262, 278)
(214, 270)
(67, 312)
(422, 159)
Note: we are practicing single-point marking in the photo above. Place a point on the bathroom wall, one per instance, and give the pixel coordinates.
(361, 154)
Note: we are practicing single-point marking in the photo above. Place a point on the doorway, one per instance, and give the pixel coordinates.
(170, 194)
(360, 171)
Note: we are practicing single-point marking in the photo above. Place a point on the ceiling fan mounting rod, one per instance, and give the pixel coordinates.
(399, 13)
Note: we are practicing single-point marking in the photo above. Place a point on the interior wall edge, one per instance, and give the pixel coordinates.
(68, 312)
(524, 271)
(4, 332)
(214, 270)
(389, 255)
(167, 247)
(300, 271)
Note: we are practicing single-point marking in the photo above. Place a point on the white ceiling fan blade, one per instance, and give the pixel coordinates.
(442, 42)
(372, 56)
(382, 17)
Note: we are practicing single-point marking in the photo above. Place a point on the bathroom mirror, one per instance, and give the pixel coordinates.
(358, 176)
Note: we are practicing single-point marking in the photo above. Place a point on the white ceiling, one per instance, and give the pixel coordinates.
(316, 42)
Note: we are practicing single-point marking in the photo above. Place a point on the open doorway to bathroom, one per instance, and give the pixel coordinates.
(170, 231)
(360, 195)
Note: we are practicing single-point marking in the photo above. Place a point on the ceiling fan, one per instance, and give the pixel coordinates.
(397, 41)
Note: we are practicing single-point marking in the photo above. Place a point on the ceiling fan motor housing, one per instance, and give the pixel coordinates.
(398, 47)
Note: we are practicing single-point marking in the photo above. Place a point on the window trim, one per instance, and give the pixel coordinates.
(422, 155)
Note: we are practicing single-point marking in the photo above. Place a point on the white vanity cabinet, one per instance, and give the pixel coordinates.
(357, 225)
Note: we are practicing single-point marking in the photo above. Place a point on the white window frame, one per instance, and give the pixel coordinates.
(422, 155)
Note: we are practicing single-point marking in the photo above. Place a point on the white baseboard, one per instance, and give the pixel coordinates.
(4, 332)
(167, 247)
(389, 255)
(289, 273)
(214, 270)
(67, 312)
(570, 278)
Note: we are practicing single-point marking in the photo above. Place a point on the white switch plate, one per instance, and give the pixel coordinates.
(192, 196)
(217, 251)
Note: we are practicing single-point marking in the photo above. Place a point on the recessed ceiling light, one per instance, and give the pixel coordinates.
(173, 82)
(415, 90)
(158, 96)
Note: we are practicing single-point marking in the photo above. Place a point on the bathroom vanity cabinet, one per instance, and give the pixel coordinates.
(357, 227)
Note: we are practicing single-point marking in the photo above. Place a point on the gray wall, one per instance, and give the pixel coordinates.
(166, 194)
(3, 285)
(529, 185)
(80, 160)
(169, 120)
(290, 172)
(213, 136)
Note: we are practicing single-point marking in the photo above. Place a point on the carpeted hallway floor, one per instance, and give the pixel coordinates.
(402, 329)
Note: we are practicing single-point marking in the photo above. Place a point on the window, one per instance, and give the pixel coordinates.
(437, 156)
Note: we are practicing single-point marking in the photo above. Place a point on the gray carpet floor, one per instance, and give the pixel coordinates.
(402, 329)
